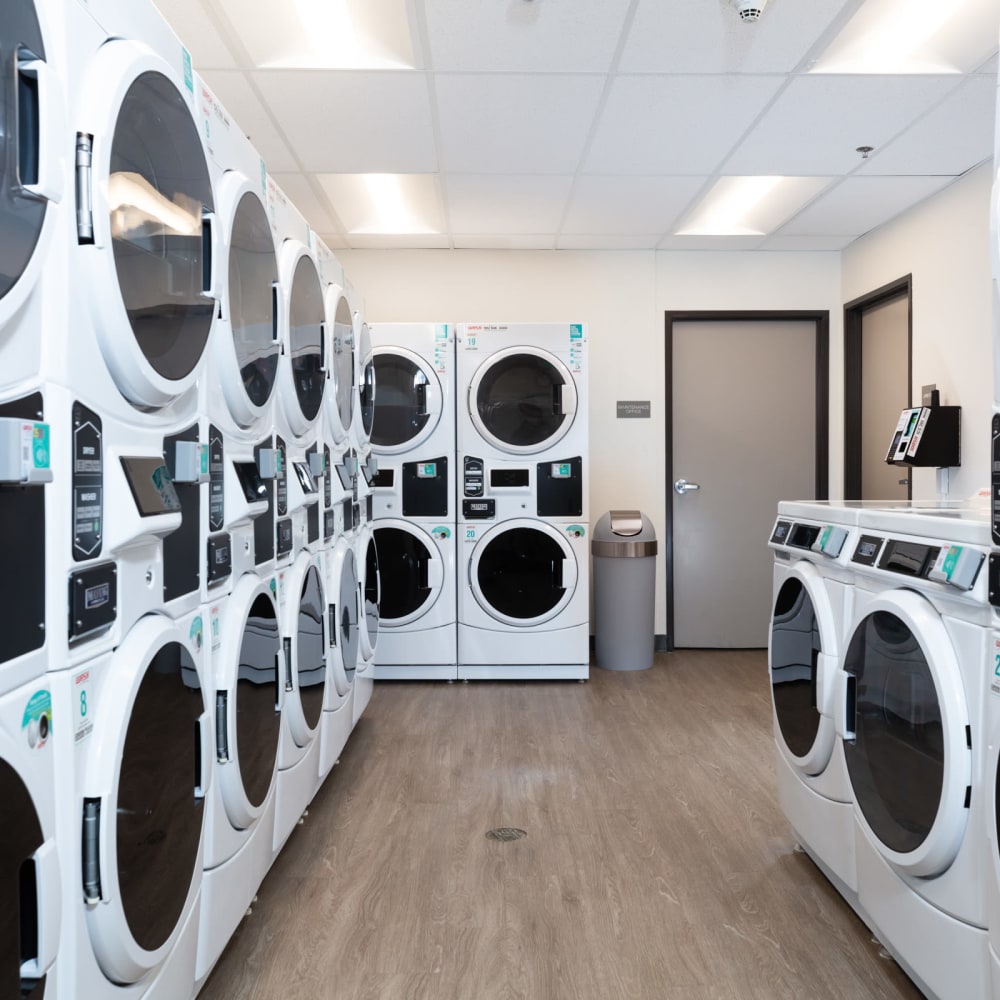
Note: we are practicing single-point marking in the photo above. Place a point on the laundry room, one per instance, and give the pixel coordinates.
(457, 542)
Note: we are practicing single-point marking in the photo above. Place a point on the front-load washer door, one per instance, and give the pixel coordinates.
(409, 401)
(371, 595)
(523, 572)
(143, 799)
(344, 625)
(906, 733)
(306, 332)
(803, 658)
(309, 657)
(150, 199)
(250, 358)
(522, 400)
(411, 571)
(341, 410)
(366, 384)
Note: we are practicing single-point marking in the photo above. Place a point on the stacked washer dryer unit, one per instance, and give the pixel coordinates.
(811, 614)
(523, 585)
(240, 611)
(413, 439)
(121, 368)
(302, 382)
(365, 547)
(340, 564)
(912, 710)
(32, 201)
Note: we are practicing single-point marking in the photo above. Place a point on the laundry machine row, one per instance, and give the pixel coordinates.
(176, 672)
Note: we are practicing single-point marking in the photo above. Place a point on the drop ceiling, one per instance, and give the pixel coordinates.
(598, 124)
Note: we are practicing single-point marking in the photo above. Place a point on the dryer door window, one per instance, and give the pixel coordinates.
(366, 388)
(159, 815)
(305, 338)
(523, 401)
(405, 390)
(253, 273)
(258, 722)
(347, 617)
(310, 667)
(21, 212)
(158, 192)
(897, 759)
(371, 594)
(20, 837)
(795, 650)
(343, 362)
(520, 574)
(405, 566)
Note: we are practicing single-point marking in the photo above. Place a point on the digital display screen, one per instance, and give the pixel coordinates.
(305, 477)
(151, 486)
(254, 488)
(383, 478)
(509, 477)
(867, 549)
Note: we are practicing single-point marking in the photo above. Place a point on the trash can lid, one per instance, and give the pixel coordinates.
(623, 534)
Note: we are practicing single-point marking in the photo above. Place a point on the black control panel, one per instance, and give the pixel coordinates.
(285, 536)
(780, 534)
(425, 488)
(908, 558)
(479, 510)
(867, 550)
(93, 601)
(473, 483)
(219, 557)
(803, 536)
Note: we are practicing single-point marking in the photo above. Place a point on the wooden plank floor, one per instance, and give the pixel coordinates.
(657, 863)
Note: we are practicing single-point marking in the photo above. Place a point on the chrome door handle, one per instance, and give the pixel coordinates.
(682, 486)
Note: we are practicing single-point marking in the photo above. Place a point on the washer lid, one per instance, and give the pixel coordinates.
(523, 572)
(409, 401)
(522, 400)
(411, 572)
(909, 761)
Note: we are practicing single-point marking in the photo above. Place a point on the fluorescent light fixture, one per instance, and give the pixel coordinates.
(325, 34)
(385, 204)
(914, 36)
(749, 206)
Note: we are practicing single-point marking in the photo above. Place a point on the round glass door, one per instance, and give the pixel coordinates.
(409, 400)
(410, 574)
(522, 400)
(310, 665)
(159, 815)
(371, 595)
(158, 193)
(305, 338)
(20, 837)
(347, 618)
(258, 723)
(22, 211)
(908, 760)
(343, 368)
(366, 386)
(523, 573)
(253, 275)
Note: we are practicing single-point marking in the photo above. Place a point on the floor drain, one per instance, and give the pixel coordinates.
(506, 833)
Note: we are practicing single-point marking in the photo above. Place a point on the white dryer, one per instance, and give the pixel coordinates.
(811, 613)
(364, 374)
(914, 682)
(369, 598)
(30, 882)
(247, 670)
(134, 772)
(302, 598)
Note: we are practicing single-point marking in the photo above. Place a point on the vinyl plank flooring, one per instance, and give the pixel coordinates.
(657, 863)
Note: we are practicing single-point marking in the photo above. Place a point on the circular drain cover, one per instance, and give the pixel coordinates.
(506, 833)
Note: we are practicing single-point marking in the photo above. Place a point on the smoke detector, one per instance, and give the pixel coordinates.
(749, 10)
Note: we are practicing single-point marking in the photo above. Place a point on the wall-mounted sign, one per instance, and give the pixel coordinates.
(627, 408)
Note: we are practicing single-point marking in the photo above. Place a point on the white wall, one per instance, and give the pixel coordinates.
(944, 244)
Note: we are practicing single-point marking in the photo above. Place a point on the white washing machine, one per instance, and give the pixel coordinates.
(301, 384)
(128, 343)
(912, 706)
(134, 771)
(302, 598)
(812, 604)
(248, 674)
(343, 638)
(238, 390)
(31, 888)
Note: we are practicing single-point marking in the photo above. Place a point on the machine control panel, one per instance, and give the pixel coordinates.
(867, 550)
(780, 534)
(473, 482)
(479, 510)
(220, 557)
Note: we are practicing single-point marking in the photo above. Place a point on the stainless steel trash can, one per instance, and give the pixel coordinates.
(623, 545)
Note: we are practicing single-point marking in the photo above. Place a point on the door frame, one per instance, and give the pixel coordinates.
(853, 315)
(821, 319)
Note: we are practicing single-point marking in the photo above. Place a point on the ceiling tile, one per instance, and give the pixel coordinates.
(703, 37)
(806, 243)
(815, 126)
(953, 137)
(861, 204)
(237, 96)
(193, 23)
(492, 204)
(629, 206)
(516, 36)
(385, 203)
(675, 124)
(503, 241)
(372, 122)
(522, 124)
(604, 241)
(314, 208)
(421, 241)
(710, 242)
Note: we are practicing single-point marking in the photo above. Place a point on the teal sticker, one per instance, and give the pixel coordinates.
(576, 331)
(37, 719)
(273, 585)
(204, 459)
(197, 633)
(576, 530)
(188, 71)
(40, 454)
(951, 560)
(442, 532)
(441, 331)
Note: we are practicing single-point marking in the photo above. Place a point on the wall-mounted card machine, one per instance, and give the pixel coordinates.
(927, 436)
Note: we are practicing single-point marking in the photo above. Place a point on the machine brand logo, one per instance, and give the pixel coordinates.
(97, 597)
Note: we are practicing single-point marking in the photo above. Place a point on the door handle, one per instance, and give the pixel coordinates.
(682, 486)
